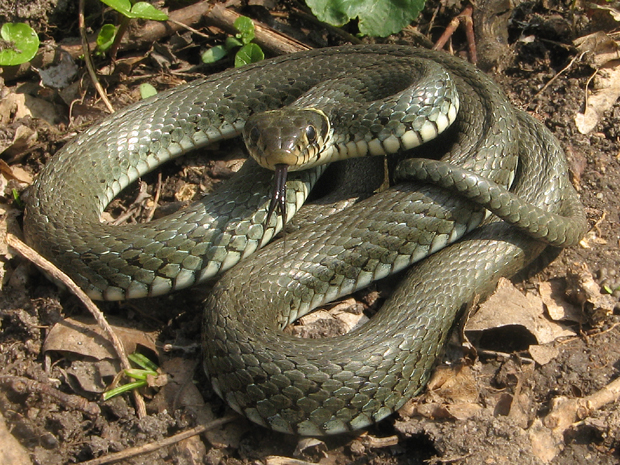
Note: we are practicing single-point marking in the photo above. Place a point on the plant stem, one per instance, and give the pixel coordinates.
(88, 58)
(119, 36)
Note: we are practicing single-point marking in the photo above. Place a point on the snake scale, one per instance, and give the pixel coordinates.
(329, 386)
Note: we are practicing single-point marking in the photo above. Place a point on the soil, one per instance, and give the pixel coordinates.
(541, 72)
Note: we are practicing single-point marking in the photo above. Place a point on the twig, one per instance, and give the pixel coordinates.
(562, 71)
(151, 211)
(464, 17)
(50, 268)
(269, 39)
(88, 59)
(565, 412)
(135, 206)
(153, 446)
(118, 37)
(26, 385)
(189, 28)
(585, 101)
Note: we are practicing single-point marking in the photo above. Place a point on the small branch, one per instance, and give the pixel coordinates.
(269, 39)
(153, 446)
(464, 17)
(88, 59)
(151, 211)
(565, 412)
(25, 385)
(120, 33)
(562, 71)
(189, 28)
(53, 271)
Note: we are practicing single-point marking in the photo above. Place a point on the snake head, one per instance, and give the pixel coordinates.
(288, 139)
(289, 136)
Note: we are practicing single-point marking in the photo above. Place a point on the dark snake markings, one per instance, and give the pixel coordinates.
(313, 387)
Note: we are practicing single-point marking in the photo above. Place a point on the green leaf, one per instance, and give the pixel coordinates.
(214, 54)
(145, 10)
(18, 201)
(245, 26)
(105, 38)
(376, 18)
(22, 44)
(147, 90)
(124, 388)
(232, 42)
(140, 10)
(142, 360)
(122, 6)
(136, 373)
(249, 53)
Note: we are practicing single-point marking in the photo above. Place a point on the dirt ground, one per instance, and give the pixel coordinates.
(494, 405)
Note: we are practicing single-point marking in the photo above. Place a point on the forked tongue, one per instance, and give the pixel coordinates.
(278, 197)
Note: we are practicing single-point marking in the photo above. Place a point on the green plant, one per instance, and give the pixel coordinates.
(147, 369)
(375, 18)
(147, 90)
(105, 38)
(129, 10)
(17, 198)
(19, 44)
(247, 51)
(138, 10)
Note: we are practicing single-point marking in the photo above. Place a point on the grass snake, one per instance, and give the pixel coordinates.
(316, 387)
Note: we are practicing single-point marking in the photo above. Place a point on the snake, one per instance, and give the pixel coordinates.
(475, 203)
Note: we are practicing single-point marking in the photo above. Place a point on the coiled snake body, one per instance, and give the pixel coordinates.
(316, 387)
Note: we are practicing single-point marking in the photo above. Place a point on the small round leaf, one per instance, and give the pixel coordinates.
(122, 6)
(147, 90)
(143, 10)
(22, 44)
(249, 53)
(105, 38)
(245, 26)
(214, 54)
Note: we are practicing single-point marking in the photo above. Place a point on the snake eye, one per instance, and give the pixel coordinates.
(311, 134)
(254, 135)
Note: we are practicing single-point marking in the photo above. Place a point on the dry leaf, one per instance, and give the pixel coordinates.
(186, 193)
(607, 85)
(15, 172)
(452, 393)
(545, 444)
(543, 354)
(453, 384)
(600, 47)
(94, 377)
(190, 451)
(15, 106)
(509, 307)
(604, 54)
(277, 460)
(11, 451)
(338, 320)
(558, 308)
(82, 342)
(583, 288)
(23, 139)
(181, 392)
(310, 448)
(60, 75)
(87, 339)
